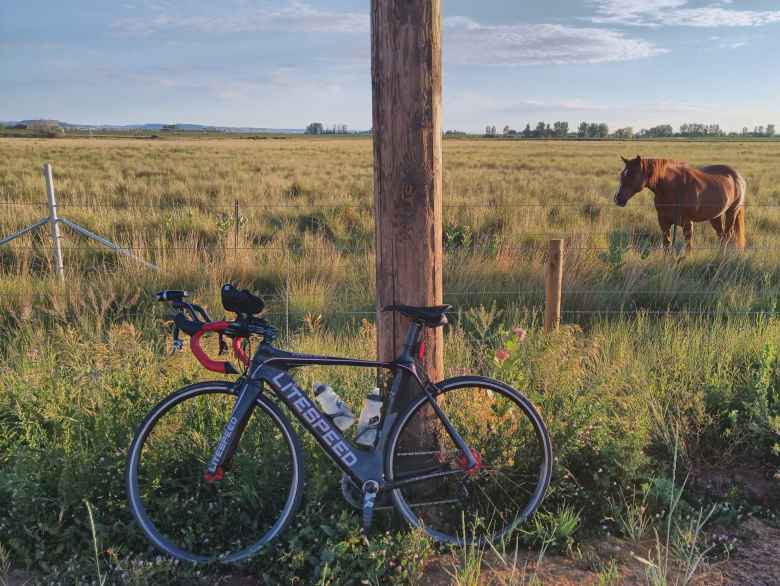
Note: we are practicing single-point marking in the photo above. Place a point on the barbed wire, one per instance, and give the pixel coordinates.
(229, 208)
(636, 312)
(302, 249)
(616, 292)
(565, 292)
(641, 311)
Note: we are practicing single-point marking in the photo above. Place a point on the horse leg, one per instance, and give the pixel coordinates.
(688, 232)
(666, 231)
(717, 223)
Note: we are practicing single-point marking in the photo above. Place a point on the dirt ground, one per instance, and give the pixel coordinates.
(756, 563)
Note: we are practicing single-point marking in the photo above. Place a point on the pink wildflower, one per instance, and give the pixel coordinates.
(502, 354)
(520, 333)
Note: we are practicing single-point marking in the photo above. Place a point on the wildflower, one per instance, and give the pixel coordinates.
(502, 354)
(520, 333)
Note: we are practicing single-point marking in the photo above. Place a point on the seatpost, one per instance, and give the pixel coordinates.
(412, 335)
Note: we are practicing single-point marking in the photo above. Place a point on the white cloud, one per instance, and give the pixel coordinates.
(655, 13)
(294, 16)
(469, 42)
(466, 41)
(232, 87)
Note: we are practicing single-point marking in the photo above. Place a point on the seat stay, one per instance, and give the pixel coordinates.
(453, 433)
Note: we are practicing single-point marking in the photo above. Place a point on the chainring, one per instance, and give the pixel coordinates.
(354, 496)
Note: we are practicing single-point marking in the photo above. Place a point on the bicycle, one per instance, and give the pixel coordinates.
(215, 472)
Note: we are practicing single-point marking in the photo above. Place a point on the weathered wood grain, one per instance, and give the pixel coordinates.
(407, 124)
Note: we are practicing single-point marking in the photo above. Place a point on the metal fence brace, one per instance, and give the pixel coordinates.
(54, 222)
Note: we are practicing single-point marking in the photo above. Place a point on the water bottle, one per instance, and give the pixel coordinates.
(333, 406)
(368, 426)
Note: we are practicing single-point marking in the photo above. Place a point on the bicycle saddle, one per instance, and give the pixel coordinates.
(241, 301)
(432, 317)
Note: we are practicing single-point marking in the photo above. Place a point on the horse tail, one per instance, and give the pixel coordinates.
(740, 240)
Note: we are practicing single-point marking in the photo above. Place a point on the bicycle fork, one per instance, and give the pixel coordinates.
(228, 442)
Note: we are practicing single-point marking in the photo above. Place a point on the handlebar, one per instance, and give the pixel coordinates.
(217, 365)
(194, 321)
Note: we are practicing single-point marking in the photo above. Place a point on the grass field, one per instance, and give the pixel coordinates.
(657, 351)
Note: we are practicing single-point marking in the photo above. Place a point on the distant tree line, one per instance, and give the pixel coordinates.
(542, 130)
(760, 131)
(660, 131)
(601, 130)
(698, 130)
(593, 130)
(319, 128)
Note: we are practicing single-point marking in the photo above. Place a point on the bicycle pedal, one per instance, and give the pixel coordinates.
(370, 490)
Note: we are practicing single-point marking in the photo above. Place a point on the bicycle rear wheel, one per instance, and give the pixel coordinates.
(227, 520)
(509, 441)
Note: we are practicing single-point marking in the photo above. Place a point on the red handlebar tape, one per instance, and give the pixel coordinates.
(203, 358)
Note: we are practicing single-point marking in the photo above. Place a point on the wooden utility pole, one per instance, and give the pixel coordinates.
(553, 287)
(407, 86)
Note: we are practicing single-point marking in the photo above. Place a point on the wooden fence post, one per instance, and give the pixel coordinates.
(553, 286)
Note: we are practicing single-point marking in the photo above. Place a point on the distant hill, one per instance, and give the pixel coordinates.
(156, 127)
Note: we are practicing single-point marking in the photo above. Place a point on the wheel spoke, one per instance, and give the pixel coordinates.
(499, 425)
(194, 519)
(434, 503)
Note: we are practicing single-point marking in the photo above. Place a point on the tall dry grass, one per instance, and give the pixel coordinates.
(306, 226)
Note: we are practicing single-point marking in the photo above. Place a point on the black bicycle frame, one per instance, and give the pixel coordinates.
(270, 365)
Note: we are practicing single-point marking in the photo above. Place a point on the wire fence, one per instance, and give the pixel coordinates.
(368, 205)
(629, 301)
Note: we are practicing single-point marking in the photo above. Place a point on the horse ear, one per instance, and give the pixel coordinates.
(638, 158)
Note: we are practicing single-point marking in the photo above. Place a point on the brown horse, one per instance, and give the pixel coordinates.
(685, 194)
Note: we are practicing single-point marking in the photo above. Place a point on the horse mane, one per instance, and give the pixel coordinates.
(655, 169)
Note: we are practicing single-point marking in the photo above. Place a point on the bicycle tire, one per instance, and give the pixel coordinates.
(191, 440)
(485, 428)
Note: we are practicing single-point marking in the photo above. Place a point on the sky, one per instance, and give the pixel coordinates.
(285, 63)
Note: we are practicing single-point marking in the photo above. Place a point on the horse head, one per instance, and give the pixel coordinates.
(632, 181)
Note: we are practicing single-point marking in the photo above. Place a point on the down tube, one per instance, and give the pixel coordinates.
(359, 466)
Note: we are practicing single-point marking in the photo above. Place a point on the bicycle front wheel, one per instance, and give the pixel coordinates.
(508, 440)
(224, 520)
